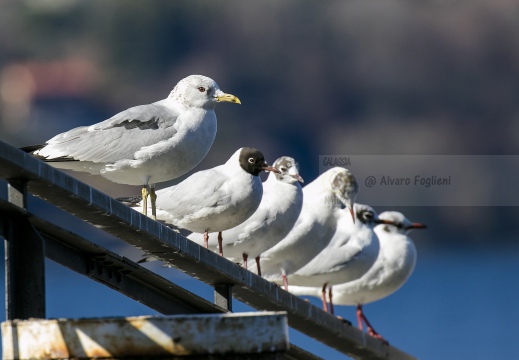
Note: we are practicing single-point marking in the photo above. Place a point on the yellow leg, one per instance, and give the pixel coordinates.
(153, 199)
(145, 200)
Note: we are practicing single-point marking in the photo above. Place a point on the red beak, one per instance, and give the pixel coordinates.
(417, 226)
(270, 168)
(352, 215)
(298, 178)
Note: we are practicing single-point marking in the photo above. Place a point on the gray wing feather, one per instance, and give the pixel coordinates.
(117, 138)
(199, 191)
(336, 259)
(141, 116)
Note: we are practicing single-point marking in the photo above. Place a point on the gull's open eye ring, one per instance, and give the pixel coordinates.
(201, 89)
(368, 215)
(251, 160)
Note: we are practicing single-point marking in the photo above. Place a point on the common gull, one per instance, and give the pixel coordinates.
(145, 144)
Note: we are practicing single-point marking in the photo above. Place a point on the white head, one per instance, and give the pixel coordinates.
(396, 222)
(288, 170)
(200, 91)
(343, 185)
(365, 214)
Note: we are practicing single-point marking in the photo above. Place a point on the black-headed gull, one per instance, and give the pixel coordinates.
(315, 225)
(351, 252)
(216, 199)
(394, 264)
(145, 144)
(278, 211)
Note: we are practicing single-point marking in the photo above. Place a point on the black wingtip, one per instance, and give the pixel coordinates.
(32, 148)
(130, 200)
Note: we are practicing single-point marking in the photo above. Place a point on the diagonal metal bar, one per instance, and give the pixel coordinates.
(119, 273)
(154, 238)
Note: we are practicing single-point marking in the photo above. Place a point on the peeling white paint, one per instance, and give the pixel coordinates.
(242, 333)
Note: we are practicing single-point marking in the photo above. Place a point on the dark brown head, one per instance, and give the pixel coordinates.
(253, 161)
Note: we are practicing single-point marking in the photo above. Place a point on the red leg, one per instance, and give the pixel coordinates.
(285, 281)
(331, 302)
(323, 298)
(370, 329)
(245, 257)
(258, 265)
(360, 315)
(220, 246)
(206, 239)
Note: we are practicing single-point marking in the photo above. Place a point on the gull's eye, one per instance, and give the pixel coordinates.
(367, 215)
(201, 89)
(283, 169)
(251, 161)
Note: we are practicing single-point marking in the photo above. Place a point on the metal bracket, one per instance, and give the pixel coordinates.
(24, 260)
(223, 296)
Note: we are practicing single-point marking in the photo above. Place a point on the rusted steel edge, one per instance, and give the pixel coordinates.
(147, 336)
(154, 238)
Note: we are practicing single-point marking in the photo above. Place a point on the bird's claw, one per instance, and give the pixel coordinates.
(377, 336)
(347, 322)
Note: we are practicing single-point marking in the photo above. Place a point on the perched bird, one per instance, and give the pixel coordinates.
(278, 211)
(216, 199)
(145, 144)
(351, 252)
(395, 263)
(315, 226)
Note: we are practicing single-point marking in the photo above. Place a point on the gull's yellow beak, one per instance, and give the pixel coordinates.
(228, 98)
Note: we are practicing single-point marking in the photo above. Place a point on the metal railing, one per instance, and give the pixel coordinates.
(36, 238)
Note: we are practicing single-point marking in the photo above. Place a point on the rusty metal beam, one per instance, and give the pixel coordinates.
(223, 336)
